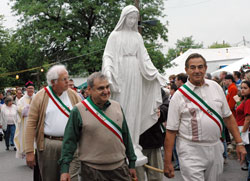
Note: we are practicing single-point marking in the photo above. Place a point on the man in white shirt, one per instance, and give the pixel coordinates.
(197, 113)
(47, 118)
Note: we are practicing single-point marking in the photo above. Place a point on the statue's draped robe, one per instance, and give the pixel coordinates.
(135, 81)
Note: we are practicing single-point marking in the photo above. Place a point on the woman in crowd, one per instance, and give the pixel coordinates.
(243, 117)
(9, 117)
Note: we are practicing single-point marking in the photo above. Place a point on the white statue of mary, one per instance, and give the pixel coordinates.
(135, 82)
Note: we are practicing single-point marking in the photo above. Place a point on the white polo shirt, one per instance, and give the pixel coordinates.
(190, 121)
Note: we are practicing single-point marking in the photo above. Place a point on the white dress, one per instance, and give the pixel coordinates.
(135, 80)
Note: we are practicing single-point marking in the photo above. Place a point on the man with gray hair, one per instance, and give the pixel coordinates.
(47, 118)
(197, 115)
(99, 126)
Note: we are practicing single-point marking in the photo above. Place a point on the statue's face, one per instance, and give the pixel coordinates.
(131, 19)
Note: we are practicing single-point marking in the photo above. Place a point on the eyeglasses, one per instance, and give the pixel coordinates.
(64, 79)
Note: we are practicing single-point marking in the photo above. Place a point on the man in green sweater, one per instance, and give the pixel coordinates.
(99, 126)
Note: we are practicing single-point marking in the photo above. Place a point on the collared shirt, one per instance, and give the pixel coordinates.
(55, 120)
(192, 123)
(242, 111)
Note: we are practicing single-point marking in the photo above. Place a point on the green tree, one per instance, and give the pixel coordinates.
(181, 47)
(57, 30)
(16, 55)
(218, 45)
(4, 56)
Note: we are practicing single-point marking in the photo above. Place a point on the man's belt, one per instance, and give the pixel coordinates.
(60, 138)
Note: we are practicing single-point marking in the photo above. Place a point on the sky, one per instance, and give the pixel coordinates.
(208, 21)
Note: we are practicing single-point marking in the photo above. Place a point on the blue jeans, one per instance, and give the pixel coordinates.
(225, 149)
(9, 135)
(175, 154)
(248, 159)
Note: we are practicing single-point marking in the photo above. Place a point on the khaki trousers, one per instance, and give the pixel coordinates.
(199, 162)
(154, 159)
(48, 158)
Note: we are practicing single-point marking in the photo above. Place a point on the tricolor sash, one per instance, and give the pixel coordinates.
(193, 97)
(57, 101)
(102, 118)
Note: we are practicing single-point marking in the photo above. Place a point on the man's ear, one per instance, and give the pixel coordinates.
(88, 88)
(53, 82)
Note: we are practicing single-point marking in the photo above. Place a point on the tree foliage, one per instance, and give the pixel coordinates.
(218, 45)
(5, 58)
(57, 30)
(181, 47)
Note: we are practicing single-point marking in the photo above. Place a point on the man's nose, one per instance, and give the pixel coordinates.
(196, 69)
(106, 90)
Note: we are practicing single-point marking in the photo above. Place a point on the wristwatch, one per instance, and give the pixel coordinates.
(240, 144)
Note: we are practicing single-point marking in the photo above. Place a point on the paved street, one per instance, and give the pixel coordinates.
(232, 172)
(12, 169)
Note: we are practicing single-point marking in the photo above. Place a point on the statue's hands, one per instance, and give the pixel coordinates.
(158, 113)
(109, 76)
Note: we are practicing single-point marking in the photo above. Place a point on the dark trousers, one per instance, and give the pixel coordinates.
(36, 173)
(119, 174)
(248, 158)
(227, 136)
(9, 135)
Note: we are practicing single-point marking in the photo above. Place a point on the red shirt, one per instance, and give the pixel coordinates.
(232, 91)
(242, 110)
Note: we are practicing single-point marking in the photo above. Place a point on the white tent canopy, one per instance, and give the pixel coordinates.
(214, 57)
(234, 66)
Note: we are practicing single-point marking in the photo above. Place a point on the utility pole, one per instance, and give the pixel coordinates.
(137, 5)
(244, 41)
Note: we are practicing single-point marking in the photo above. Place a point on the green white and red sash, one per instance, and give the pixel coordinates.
(193, 97)
(102, 118)
(57, 101)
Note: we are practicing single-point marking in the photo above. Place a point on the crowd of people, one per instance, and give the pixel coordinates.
(30, 118)
(55, 118)
(14, 111)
